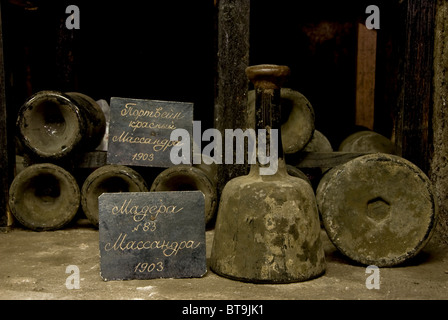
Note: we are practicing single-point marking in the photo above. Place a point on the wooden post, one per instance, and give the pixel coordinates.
(439, 169)
(232, 84)
(413, 134)
(365, 77)
(5, 163)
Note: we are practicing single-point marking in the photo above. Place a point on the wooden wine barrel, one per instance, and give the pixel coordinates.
(377, 209)
(44, 197)
(109, 178)
(54, 125)
(188, 178)
(367, 141)
(318, 143)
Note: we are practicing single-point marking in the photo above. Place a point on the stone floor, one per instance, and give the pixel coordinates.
(33, 266)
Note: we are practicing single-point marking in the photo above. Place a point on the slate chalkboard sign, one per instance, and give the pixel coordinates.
(146, 235)
(139, 131)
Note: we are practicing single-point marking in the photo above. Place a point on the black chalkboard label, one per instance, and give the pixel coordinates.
(139, 131)
(146, 235)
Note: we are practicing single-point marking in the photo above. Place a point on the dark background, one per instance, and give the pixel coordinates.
(167, 50)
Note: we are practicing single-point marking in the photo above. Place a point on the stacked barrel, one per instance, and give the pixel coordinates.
(376, 207)
(55, 130)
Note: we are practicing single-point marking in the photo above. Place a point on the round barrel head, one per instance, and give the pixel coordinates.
(44, 197)
(377, 209)
(108, 179)
(187, 178)
(50, 125)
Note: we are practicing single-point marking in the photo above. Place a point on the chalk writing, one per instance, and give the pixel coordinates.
(147, 226)
(147, 235)
(140, 130)
(129, 111)
(168, 248)
(140, 212)
(148, 267)
(158, 144)
(143, 156)
(151, 125)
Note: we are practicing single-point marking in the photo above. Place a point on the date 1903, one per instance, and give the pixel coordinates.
(148, 267)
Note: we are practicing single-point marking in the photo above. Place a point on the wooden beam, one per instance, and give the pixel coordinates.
(365, 76)
(232, 84)
(413, 133)
(438, 168)
(321, 159)
(5, 163)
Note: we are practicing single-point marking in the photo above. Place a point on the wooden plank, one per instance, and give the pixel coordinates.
(5, 163)
(413, 134)
(232, 83)
(93, 159)
(438, 168)
(365, 76)
(320, 159)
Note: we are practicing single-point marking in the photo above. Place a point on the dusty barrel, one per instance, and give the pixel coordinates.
(367, 141)
(298, 114)
(108, 179)
(267, 227)
(377, 209)
(53, 125)
(188, 178)
(44, 197)
(318, 143)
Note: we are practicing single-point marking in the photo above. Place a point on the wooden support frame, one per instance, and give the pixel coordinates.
(413, 124)
(365, 77)
(232, 84)
(5, 156)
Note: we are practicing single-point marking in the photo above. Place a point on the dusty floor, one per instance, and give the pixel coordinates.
(33, 266)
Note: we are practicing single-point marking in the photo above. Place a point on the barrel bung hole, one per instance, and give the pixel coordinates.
(50, 125)
(44, 188)
(51, 118)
